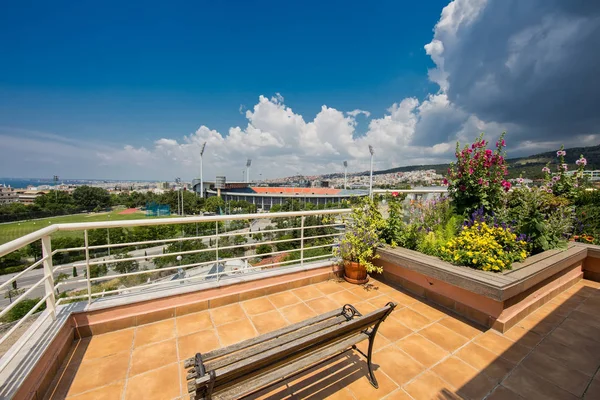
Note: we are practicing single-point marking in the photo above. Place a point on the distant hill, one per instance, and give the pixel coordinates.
(528, 167)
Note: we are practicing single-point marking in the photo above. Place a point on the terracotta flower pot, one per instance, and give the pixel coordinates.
(355, 273)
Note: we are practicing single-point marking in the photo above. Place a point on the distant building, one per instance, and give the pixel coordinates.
(29, 196)
(8, 195)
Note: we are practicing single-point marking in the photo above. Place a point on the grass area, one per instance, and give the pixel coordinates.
(14, 230)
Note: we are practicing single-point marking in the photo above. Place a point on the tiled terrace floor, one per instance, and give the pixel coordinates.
(421, 352)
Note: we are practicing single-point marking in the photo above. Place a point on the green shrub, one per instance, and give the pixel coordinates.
(19, 311)
(432, 242)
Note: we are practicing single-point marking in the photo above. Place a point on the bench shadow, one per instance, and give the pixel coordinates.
(319, 382)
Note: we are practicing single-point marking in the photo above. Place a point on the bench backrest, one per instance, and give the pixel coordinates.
(229, 364)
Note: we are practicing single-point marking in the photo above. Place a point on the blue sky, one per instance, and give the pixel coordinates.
(131, 90)
(147, 70)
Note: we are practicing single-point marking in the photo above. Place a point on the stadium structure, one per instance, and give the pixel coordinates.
(266, 197)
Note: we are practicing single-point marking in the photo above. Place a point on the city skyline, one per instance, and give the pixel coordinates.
(123, 100)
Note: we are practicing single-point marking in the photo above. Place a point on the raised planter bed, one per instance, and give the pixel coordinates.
(495, 300)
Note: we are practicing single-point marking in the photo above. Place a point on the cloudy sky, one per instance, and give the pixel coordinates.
(133, 91)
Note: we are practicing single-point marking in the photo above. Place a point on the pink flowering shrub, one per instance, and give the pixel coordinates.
(477, 179)
(562, 183)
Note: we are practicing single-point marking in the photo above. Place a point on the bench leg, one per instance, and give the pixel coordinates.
(372, 378)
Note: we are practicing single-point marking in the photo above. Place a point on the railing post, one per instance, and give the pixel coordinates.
(87, 265)
(217, 248)
(302, 240)
(48, 276)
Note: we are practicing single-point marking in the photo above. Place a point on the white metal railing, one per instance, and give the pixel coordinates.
(319, 236)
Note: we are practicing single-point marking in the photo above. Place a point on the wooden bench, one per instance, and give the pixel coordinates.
(243, 368)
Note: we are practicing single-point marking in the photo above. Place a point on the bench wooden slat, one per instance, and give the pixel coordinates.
(243, 367)
(268, 336)
(279, 374)
(245, 353)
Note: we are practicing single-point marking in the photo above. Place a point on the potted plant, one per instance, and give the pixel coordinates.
(360, 240)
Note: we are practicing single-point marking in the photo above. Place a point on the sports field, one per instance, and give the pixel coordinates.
(17, 229)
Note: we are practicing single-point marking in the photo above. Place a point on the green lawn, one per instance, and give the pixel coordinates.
(17, 229)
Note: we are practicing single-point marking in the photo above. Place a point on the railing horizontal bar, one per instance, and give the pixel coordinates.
(23, 296)
(190, 220)
(24, 317)
(20, 274)
(23, 241)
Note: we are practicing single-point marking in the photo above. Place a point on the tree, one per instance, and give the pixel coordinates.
(74, 272)
(91, 198)
(125, 267)
(214, 204)
(263, 249)
(14, 285)
(239, 239)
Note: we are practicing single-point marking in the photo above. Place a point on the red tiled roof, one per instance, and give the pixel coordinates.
(295, 190)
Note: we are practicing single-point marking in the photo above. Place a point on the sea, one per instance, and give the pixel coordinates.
(22, 183)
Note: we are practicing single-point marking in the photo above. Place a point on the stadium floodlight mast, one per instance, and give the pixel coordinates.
(371, 173)
(345, 174)
(180, 193)
(55, 178)
(248, 164)
(201, 176)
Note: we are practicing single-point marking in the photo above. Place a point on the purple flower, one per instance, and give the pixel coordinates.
(564, 166)
(546, 170)
(561, 153)
(555, 178)
(581, 161)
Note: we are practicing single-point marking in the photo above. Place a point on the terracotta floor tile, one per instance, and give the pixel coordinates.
(393, 329)
(502, 346)
(199, 342)
(576, 342)
(155, 332)
(329, 287)
(344, 297)
(467, 381)
(446, 338)
(428, 311)
(223, 315)
(523, 336)
(365, 307)
(159, 384)
(586, 363)
(552, 370)
(584, 318)
(411, 318)
(362, 389)
(531, 386)
(399, 394)
(380, 342)
(321, 305)
(422, 349)
(195, 322)
(153, 356)
(99, 372)
(306, 293)
(485, 361)
(367, 291)
(109, 344)
(258, 306)
(430, 386)
(402, 298)
(463, 328)
(542, 327)
(502, 393)
(297, 313)
(397, 365)
(234, 332)
(268, 321)
(593, 391)
(109, 392)
(582, 329)
(381, 301)
(284, 299)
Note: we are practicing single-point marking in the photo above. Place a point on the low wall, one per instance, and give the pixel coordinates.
(495, 300)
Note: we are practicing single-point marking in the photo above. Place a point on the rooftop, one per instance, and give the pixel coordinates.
(421, 351)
